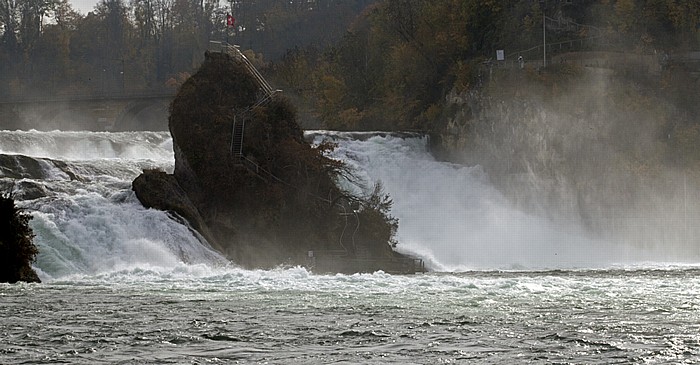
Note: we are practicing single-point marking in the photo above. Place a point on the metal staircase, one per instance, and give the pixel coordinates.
(239, 119)
(237, 137)
(238, 129)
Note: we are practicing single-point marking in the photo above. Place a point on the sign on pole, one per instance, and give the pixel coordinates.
(500, 55)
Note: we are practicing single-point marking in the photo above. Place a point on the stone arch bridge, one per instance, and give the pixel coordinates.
(118, 112)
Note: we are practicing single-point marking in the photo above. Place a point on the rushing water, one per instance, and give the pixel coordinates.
(124, 284)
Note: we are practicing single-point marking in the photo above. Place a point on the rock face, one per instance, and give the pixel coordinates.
(17, 251)
(274, 203)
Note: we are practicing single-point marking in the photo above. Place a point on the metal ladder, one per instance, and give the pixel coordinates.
(237, 137)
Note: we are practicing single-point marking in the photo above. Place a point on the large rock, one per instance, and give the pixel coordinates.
(280, 204)
(156, 189)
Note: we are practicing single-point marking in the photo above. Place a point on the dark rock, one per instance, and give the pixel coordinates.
(29, 190)
(158, 190)
(20, 167)
(277, 203)
(25, 167)
(17, 251)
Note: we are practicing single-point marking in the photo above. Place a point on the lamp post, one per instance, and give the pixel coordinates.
(102, 80)
(544, 40)
(123, 75)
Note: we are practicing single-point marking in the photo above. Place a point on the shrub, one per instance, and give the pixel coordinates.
(17, 251)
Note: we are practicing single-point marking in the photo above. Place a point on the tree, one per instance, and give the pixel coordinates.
(66, 17)
(9, 21)
(17, 251)
(32, 16)
(685, 17)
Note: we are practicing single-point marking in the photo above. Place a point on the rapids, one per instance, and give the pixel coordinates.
(88, 221)
(125, 284)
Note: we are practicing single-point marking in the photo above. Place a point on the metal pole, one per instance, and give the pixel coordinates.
(544, 40)
(123, 75)
(685, 208)
(233, 133)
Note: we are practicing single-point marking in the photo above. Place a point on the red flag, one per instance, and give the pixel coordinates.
(230, 20)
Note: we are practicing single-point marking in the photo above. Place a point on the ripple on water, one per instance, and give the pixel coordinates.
(589, 317)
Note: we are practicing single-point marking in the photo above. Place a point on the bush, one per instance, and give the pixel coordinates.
(17, 251)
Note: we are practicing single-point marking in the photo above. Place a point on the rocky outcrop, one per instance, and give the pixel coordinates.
(17, 251)
(276, 201)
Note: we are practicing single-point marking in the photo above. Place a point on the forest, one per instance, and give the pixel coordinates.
(395, 65)
(127, 46)
(351, 64)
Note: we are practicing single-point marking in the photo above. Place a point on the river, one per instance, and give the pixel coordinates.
(125, 284)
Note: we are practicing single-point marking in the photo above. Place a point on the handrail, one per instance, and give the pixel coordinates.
(568, 24)
(244, 114)
(253, 166)
(552, 45)
(239, 56)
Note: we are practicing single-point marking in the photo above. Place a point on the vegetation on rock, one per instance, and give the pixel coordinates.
(17, 251)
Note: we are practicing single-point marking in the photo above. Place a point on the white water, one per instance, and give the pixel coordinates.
(91, 146)
(95, 224)
(452, 216)
(449, 215)
(124, 284)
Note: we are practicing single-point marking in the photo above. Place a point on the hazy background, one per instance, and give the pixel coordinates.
(83, 6)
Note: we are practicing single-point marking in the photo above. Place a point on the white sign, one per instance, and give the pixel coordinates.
(500, 55)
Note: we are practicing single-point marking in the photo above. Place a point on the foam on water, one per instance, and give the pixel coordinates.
(93, 224)
(83, 145)
(122, 282)
(452, 216)
(87, 233)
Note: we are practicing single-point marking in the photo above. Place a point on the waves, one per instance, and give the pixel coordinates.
(89, 233)
(83, 145)
(87, 221)
(77, 186)
(452, 216)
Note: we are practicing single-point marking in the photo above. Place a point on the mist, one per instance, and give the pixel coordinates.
(598, 155)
